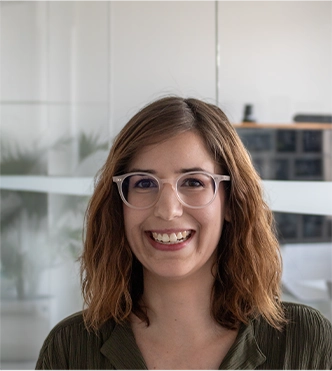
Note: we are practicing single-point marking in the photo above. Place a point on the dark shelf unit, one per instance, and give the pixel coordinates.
(298, 155)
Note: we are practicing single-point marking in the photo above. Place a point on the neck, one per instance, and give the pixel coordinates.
(178, 302)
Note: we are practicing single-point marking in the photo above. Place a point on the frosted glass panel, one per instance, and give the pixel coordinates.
(25, 260)
(54, 121)
(41, 240)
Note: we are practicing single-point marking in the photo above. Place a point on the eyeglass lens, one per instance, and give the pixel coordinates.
(194, 189)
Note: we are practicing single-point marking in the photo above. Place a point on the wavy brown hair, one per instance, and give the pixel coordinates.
(248, 266)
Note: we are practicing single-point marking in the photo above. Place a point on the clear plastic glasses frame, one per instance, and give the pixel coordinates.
(157, 186)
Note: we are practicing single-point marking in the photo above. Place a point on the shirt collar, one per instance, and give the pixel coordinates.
(245, 353)
(121, 349)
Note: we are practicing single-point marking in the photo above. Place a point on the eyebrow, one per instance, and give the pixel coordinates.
(136, 170)
(181, 171)
(188, 170)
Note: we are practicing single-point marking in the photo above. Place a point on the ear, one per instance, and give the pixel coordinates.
(227, 214)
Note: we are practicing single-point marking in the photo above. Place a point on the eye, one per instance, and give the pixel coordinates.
(192, 183)
(146, 183)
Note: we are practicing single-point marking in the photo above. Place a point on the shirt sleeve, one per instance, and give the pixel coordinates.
(53, 354)
(312, 338)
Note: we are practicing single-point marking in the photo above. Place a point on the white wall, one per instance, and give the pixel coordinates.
(112, 57)
(276, 55)
(23, 70)
(160, 48)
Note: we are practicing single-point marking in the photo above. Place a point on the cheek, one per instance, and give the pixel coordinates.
(133, 219)
(130, 220)
(126, 218)
(130, 216)
(213, 219)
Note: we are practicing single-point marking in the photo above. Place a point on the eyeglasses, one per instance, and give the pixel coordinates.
(196, 189)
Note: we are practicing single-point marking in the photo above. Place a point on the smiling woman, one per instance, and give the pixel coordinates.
(199, 210)
(181, 268)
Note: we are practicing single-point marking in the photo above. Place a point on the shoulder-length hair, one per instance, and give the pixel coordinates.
(248, 266)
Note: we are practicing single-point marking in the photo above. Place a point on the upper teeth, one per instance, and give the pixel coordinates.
(173, 237)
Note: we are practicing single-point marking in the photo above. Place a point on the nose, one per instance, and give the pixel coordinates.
(168, 206)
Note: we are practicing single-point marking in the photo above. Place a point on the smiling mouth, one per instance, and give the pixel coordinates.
(172, 238)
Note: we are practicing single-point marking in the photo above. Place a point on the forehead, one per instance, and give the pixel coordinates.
(182, 151)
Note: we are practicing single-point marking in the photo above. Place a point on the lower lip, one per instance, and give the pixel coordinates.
(169, 247)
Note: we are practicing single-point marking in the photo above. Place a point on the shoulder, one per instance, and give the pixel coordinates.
(68, 329)
(303, 320)
(73, 321)
(71, 324)
(75, 325)
(70, 344)
(300, 318)
(304, 342)
(310, 332)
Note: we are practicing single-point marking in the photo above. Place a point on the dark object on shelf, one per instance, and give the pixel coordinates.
(287, 226)
(257, 141)
(248, 113)
(307, 168)
(286, 141)
(297, 228)
(313, 226)
(281, 169)
(329, 227)
(312, 141)
(323, 119)
(259, 165)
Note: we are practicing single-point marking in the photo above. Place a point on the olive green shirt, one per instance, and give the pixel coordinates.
(304, 343)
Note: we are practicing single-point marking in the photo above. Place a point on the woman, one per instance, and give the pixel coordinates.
(181, 267)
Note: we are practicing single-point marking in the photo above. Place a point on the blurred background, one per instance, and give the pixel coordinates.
(73, 73)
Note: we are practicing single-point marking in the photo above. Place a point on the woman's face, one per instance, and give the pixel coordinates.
(200, 228)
